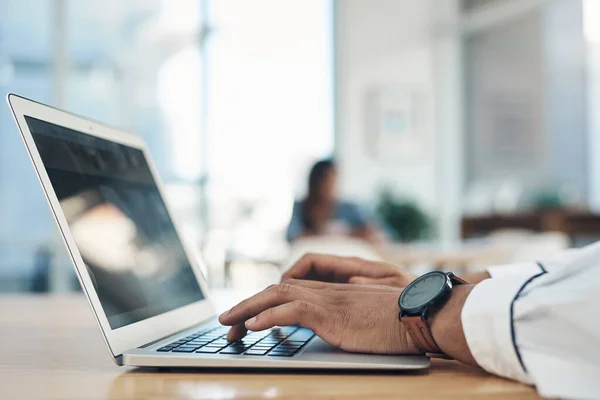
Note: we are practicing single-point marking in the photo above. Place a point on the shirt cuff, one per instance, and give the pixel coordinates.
(487, 325)
(524, 270)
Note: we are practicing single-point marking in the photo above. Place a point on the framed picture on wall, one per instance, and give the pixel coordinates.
(393, 133)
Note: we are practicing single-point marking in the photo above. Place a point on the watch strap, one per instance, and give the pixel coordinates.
(456, 280)
(420, 332)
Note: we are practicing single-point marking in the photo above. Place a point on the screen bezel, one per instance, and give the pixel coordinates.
(139, 333)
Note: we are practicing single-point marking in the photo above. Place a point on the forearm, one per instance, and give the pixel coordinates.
(446, 326)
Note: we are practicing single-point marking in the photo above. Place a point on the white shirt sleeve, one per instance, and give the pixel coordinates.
(541, 329)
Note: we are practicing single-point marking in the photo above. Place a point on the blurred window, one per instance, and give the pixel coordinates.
(26, 68)
(234, 99)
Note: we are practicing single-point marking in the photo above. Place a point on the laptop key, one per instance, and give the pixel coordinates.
(222, 344)
(165, 348)
(293, 342)
(258, 335)
(286, 348)
(207, 350)
(210, 346)
(230, 350)
(184, 350)
(278, 336)
(301, 335)
(281, 354)
(257, 352)
(244, 343)
(263, 346)
(270, 341)
(204, 342)
(287, 329)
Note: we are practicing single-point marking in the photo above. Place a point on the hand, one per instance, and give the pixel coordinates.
(326, 268)
(354, 318)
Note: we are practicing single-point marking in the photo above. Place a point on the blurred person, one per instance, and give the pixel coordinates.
(535, 322)
(321, 213)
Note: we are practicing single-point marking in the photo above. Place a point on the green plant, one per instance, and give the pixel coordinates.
(403, 217)
(547, 199)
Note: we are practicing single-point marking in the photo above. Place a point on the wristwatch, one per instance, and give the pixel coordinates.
(422, 296)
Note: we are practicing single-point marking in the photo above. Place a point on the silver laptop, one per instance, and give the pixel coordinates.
(145, 289)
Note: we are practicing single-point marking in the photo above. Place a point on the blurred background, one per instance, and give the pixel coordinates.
(466, 132)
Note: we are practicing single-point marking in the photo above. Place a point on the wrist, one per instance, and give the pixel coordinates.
(446, 326)
(476, 277)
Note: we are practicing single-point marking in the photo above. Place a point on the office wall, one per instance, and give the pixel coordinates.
(505, 94)
(566, 86)
(474, 75)
(526, 118)
(384, 44)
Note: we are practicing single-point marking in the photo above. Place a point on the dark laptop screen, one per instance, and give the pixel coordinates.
(120, 224)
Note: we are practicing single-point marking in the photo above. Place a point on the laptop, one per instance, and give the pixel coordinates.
(147, 292)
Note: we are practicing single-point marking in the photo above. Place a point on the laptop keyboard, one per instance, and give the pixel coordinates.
(277, 342)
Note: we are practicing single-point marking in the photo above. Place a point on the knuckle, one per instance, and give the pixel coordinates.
(302, 307)
(283, 289)
(337, 300)
(307, 257)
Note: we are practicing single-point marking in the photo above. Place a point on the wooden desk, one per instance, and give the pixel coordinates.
(50, 348)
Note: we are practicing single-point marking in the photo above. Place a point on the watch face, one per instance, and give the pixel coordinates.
(423, 290)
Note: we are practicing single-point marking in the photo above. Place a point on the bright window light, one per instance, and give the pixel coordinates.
(180, 99)
(591, 20)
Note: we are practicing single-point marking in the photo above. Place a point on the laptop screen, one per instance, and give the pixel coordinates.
(119, 222)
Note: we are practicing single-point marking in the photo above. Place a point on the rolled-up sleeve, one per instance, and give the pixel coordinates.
(486, 323)
(524, 270)
(527, 269)
(541, 327)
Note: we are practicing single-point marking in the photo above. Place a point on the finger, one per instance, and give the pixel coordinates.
(316, 285)
(336, 269)
(297, 312)
(236, 332)
(392, 281)
(305, 266)
(268, 298)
